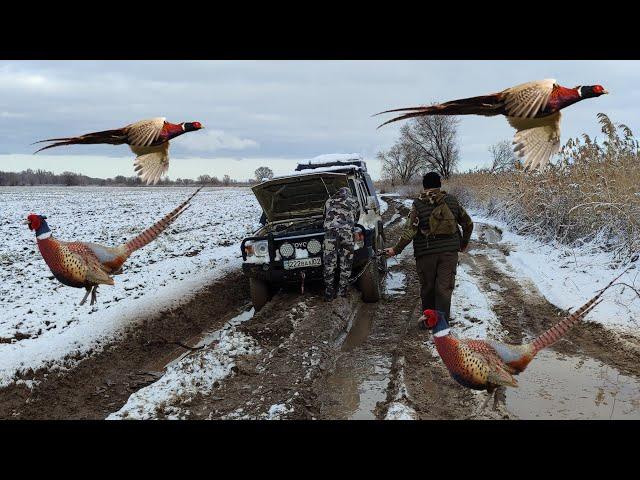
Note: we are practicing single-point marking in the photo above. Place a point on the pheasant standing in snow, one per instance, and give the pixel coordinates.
(82, 264)
(148, 139)
(532, 108)
(489, 364)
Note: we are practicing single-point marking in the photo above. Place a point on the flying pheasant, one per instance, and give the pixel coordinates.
(82, 264)
(489, 364)
(532, 108)
(148, 139)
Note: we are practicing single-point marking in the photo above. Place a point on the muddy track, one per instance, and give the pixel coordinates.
(336, 360)
(101, 383)
(384, 363)
(525, 313)
(318, 360)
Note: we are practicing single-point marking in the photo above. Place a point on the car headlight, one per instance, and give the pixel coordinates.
(313, 246)
(287, 250)
(259, 248)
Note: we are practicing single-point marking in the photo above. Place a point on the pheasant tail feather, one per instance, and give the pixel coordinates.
(157, 228)
(558, 330)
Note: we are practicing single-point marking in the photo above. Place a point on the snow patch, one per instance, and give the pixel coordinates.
(400, 411)
(569, 277)
(334, 157)
(471, 309)
(41, 317)
(384, 206)
(277, 411)
(198, 373)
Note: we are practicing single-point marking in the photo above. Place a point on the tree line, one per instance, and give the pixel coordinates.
(31, 177)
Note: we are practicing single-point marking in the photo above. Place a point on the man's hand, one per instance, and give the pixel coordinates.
(390, 252)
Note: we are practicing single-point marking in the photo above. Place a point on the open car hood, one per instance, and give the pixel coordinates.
(298, 195)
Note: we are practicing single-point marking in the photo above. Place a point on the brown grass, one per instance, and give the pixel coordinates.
(592, 195)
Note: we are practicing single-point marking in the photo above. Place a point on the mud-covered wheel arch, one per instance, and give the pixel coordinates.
(260, 292)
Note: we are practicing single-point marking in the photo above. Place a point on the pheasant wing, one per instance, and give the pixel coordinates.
(152, 162)
(496, 371)
(536, 139)
(528, 99)
(145, 132)
(499, 376)
(82, 255)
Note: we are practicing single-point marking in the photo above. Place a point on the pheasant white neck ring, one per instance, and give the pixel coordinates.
(44, 236)
(442, 333)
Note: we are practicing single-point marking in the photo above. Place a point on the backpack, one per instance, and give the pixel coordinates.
(442, 221)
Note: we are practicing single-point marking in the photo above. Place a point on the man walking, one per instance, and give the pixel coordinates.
(432, 225)
(341, 214)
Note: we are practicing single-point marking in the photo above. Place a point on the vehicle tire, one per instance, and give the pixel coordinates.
(260, 293)
(369, 283)
(382, 259)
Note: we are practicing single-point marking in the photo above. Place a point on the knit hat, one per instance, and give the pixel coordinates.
(431, 180)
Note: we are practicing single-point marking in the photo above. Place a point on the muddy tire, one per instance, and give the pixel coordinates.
(260, 293)
(382, 259)
(369, 283)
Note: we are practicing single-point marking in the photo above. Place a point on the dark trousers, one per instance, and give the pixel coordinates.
(437, 273)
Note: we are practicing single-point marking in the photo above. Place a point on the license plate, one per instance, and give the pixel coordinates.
(303, 262)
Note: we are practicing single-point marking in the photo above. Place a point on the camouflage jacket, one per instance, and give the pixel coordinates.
(417, 224)
(341, 210)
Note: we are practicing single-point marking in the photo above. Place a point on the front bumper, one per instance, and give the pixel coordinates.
(274, 272)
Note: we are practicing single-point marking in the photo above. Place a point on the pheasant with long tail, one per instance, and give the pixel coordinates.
(491, 365)
(148, 139)
(532, 108)
(88, 265)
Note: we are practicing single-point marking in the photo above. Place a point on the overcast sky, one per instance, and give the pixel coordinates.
(272, 113)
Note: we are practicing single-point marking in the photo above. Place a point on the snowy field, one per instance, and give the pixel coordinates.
(569, 277)
(40, 320)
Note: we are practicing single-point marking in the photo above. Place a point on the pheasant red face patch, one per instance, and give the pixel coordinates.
(34, 221)
(431, 318)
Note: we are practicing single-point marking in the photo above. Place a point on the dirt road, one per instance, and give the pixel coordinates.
(349, 360)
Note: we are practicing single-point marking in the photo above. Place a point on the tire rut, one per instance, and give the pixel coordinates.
(525, 313)
(101, 383)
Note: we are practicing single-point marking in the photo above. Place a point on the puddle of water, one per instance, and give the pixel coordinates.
(557, 386)
(359, 328)
(359, 388)
(372, 390)
(394, 283)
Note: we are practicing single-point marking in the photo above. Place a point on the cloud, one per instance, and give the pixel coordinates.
(5, 114)
(215, 140)
(278, 109)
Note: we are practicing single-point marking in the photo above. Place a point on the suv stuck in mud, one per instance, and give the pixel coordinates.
(287, 249)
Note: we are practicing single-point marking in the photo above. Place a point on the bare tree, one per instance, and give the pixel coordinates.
(502, 157)
(435, 139)
(226, 180)
(263, 172)
(400, 163)
(204, 179)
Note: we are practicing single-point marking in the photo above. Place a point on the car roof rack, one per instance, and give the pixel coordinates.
(332, 163)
